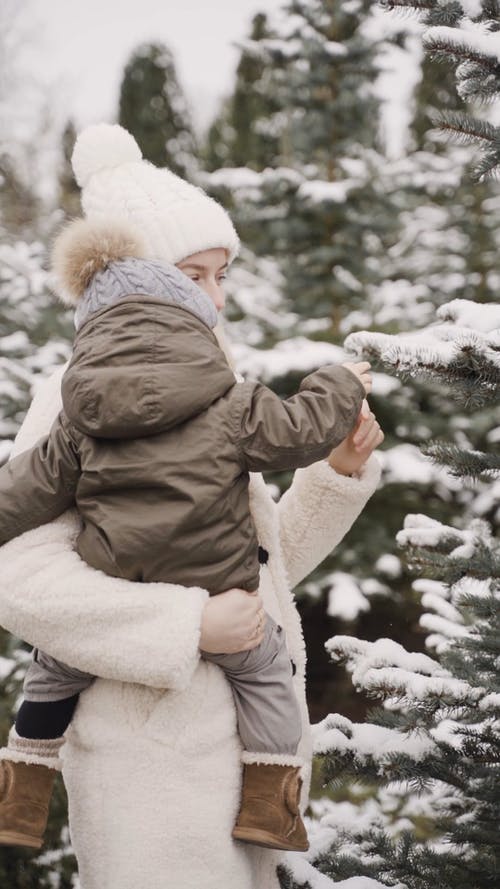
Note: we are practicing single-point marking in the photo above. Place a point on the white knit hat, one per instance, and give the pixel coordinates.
(174, 217)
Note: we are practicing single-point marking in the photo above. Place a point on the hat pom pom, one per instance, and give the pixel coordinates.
(102, 146)
(87, 246)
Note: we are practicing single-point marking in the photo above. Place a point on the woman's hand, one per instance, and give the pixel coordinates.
(232, 621)
(351, 453)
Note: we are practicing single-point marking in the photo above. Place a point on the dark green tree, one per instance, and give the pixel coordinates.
(242, 133)
(69, 192)
(154, 109)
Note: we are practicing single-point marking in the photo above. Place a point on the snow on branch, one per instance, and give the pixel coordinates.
(472, 42)
(361, 656)
(421, 530)
(366, 741)
(467, 313)
(462, 349)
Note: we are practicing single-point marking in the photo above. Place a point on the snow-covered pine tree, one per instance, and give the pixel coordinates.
(433, 748)
(34, 336)
(319, 66)
(466, 33)
(154, 109)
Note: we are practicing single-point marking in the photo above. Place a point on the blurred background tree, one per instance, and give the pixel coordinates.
(154, 109)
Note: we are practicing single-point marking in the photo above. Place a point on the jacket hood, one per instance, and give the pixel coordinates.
(145, 358)
(142, 367)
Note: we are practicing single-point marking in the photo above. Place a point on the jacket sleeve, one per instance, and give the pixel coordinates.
(317, 511)
(144, 633)
(38, 485)
(278, 434)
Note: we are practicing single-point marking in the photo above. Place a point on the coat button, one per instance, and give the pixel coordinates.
(263, 555)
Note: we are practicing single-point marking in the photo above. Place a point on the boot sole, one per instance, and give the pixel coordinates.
(263, 838)
(11, 838)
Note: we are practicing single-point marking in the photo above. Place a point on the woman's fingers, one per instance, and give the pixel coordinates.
(367, 433)
(372, 437)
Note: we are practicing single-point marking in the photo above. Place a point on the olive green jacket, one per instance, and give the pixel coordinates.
(155, 444)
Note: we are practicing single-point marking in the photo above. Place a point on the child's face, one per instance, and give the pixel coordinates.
(208, 269)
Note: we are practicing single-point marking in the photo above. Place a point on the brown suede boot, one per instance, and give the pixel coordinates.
(25, 792)
(269, 813)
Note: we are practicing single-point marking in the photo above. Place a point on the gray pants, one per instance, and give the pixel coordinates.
(261, 681)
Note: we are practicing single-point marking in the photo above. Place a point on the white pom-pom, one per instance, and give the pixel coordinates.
(102, 146)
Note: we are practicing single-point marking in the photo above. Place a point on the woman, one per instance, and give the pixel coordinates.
(152, 760)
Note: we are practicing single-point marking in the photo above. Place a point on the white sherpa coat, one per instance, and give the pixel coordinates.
(152, 762)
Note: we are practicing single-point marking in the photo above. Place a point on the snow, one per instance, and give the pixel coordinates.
(493, 436)
(476, 37)
(15, 342)
(320, 191)
(361, 656)
(297, 354)
(367, 741)
(466, 313)
(490, 701)
(415, 687)
(421, 530)
(405, 463)
(389, 565)
(472, 8)
(233, 178)
(334, 49)
(400, 72)
(426, 351)
(345, 599)
(472, 586)
(6, 666)
(304, 872)
(5, 449)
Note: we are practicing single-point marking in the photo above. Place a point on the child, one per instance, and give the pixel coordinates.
(153, 416)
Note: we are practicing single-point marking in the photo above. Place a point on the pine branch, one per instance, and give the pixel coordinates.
(441, 49)
(487, 167)
(429, 11)
(460, 463)
(481, 565)
(466, 129)
(287, 880)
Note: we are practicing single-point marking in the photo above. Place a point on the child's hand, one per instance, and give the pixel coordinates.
(361, 370)
(351, 453)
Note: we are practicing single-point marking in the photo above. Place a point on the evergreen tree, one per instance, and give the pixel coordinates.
(466, 34)
(69, 192)
(318, 209)
(241, 134)
(154, 109)
(436, 736)
(34, 337)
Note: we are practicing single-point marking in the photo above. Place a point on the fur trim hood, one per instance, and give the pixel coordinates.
(85, 247)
